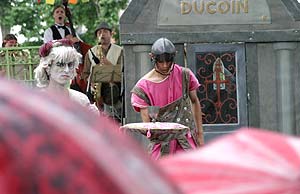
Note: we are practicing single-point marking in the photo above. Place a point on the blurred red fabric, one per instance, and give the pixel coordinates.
(48, 145)
(249, 161)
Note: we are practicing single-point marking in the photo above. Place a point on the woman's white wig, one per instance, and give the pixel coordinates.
(51, 53)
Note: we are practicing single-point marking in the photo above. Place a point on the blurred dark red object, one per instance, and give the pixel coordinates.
(49, 145)
(249, 161)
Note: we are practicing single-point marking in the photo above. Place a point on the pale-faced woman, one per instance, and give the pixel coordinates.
(57, 67)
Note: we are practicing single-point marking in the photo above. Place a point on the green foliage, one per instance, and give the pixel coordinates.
(35, 18)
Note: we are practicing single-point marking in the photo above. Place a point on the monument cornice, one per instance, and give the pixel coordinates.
(287, 35)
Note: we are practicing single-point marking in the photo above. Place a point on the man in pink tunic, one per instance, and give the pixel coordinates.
(173, 89)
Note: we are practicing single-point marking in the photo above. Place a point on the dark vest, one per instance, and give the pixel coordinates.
(56, 34)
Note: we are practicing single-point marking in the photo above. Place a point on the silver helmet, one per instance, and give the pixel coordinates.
(163, 45)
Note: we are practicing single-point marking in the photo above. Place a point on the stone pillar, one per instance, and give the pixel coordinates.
(285, 81)
(137, 63)
(142, 60)
(141, 64)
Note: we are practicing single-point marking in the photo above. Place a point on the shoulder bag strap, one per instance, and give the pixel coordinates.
(140, 93)
(185, 82)
(95, 58)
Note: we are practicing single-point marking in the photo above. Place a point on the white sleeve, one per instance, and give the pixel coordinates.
(48, 36)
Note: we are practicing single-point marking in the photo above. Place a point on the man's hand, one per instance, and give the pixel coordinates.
(201, 137)
(105, 61)
(72, 38)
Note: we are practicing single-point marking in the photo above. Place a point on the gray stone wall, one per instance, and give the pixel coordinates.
(268, 66)
(139, 26)
(263, 78)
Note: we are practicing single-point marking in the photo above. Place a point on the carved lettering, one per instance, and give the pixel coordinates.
(201, 7)
(214, 7)
(242, 5)
(209, 9)
(186, 7)
(224, 7)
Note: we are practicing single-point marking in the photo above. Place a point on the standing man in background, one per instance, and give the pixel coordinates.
(106, 55)
(59, 30)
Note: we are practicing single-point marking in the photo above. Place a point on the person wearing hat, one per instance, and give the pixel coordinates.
(174, 90)
(105, 55)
